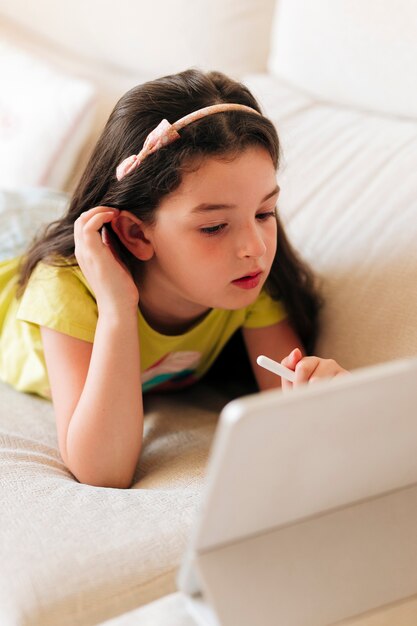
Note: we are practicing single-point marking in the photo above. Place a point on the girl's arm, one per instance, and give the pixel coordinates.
(97, 400)
(274, 341)
(96, 389)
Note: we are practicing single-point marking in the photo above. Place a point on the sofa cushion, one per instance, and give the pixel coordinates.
(45, 119)
(350, 52)
(156, 38)
(75, 554)
(172, 611)
(349, 199)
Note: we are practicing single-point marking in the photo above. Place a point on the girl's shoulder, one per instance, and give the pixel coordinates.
(57, 284)
(58, 274)
(57, 296)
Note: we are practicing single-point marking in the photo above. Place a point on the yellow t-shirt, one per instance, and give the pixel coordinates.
(60, 298)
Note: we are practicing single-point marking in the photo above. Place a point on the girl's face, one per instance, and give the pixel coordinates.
(214, 238)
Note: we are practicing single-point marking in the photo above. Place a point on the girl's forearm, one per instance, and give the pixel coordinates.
(104, 436)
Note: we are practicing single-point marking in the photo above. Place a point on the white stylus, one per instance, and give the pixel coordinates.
(276, 368)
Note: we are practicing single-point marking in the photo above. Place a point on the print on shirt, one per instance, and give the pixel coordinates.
(174, 371)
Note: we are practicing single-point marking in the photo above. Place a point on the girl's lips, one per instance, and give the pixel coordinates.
(248, 282)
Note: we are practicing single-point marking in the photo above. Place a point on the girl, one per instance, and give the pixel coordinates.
(170, 244)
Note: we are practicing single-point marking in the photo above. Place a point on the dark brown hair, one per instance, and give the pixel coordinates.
(224, 135)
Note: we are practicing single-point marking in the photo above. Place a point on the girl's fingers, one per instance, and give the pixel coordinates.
(87, 215)
(305, 368)
(312, 369)
(328, 368)
(83, 231)
(109, 279)
(96, 222)
(105, 237)
(309, 368)
(290, 361)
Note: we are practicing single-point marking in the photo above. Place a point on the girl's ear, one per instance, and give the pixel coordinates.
(131, 232)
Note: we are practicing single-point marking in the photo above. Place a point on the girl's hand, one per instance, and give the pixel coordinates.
(309, 368)
(107, 276)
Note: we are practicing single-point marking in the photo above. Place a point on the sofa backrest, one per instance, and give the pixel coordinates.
(157, 37)
(351, 52)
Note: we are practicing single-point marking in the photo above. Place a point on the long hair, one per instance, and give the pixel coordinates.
(225, 134)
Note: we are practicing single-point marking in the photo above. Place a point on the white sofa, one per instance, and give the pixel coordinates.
(338, 79)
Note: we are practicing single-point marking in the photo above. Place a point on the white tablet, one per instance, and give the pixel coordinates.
(309, 515)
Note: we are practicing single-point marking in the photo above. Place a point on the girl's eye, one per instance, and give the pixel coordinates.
(212, 230)
(215, 230)
(264, 216)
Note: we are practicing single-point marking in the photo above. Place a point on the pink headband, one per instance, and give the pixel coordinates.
(165, 133)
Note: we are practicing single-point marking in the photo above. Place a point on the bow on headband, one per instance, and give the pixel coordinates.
(165, 133)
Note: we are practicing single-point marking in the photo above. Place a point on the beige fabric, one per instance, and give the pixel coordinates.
(147, 41)
(157, 37)
(168, 611)
(172, 611)
(349, 198)
(355, 53)
(75, 554)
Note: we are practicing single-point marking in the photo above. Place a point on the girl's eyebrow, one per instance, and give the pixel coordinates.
(205, 206)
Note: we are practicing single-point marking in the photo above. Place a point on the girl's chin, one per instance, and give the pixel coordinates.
(239, 299)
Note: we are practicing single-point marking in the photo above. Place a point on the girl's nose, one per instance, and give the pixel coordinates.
(250, 242)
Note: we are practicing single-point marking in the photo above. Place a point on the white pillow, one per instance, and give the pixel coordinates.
(45, 118)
